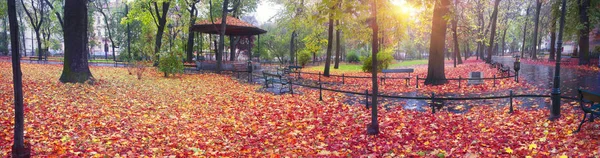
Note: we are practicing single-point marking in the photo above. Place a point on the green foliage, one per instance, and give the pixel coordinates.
(384, 60)
(352, 58)
(304, 57)
(171, 63)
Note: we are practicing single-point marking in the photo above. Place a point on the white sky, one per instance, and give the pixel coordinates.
(265, 11)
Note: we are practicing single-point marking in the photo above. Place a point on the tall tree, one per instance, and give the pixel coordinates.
(338, 42)
(36, 18)
(75, 67)
(456, 54)
(554, 13)
(102, 5)
(584, 32)
(435, 68)
(193, 10)
(338, 32)
(221, 48)
(493, 32)
(159, 17)
(525, 30)
(373, 127)
(329, 41)
(19, 149)
(538, 8)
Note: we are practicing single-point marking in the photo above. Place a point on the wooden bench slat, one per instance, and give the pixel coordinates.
(398, 70)
(591, 96)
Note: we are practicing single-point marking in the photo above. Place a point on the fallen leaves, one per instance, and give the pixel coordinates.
(214, 115)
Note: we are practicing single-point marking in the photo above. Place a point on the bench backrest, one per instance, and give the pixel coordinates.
(398, 70)
(270, 74)
(587, 95)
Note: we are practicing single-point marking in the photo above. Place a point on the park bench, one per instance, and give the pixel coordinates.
(283, 71)
(240, 68)
(272, 79)
(388, 71)
(587, 97)
(36, 59)
(294, 68)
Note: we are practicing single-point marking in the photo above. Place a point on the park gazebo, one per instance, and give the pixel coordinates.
(233, 27)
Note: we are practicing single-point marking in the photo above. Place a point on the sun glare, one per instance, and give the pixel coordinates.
(404, 7)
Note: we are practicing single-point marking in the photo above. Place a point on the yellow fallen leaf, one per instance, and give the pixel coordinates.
(508, 150)
(532, 146)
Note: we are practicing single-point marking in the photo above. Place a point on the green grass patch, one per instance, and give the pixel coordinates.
(101, 61)
(346, 67)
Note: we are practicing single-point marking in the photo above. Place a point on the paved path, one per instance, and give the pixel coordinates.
(542, 76)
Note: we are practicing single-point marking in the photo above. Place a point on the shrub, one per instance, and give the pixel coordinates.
(384, 60)
(170, 64)
(303, 58)
(352, 58)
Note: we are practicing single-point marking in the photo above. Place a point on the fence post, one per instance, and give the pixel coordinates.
(432, 102)
(319, 77)
(367, 98)
(417, 83)
(320, 91)
(494, 80)
(459, 79)
(517, 76)
(266, 81)
(343, 82)
(511, 102)
(291, 88)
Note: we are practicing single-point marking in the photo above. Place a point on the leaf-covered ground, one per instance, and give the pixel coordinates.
(399, 86)
(214, 115)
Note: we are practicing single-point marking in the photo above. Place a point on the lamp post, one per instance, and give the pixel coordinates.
(555, 109)
(517, 67)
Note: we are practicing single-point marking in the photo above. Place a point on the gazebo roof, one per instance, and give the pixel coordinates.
(234, 27)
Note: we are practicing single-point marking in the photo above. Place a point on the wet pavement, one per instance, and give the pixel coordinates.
(542, 76)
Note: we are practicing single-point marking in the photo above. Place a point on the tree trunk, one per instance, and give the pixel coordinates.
(373, 127)
(553, 37)
(5, 36)
(584, 32)
(504, 40)
(435, 69)
(525, 31)
(337, 45)
(222, 35)
(190, 41)
(75, 68)
(330, 45)
(478, 49)
(538, 8)
(292, 47)
(457, 59)
(39, 44)
(22, 34)
(493, 32)
(468, 50)
(18, 149)
(231, 48)
(162, 20)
